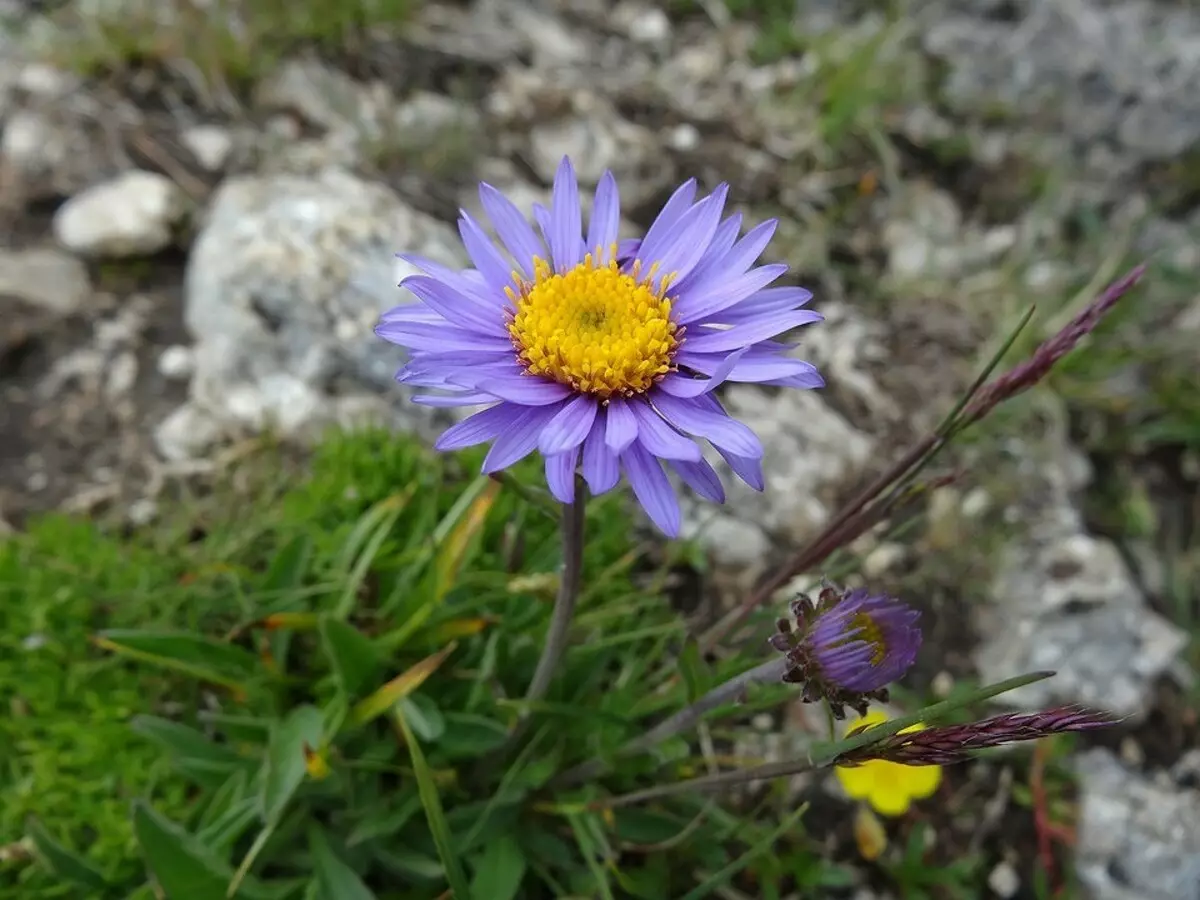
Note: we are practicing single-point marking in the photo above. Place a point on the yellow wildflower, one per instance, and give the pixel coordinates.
(888, 787)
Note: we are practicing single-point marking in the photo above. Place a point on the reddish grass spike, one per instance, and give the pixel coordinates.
(1031, 371)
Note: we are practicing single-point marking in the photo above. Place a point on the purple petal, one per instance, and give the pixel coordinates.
(566, 219)
(526, 390)
(520, 438)
(441, 337)
(479, 428)
(416, 312)
(720, 294)
(488, 260)
(720, 430)
(683, 387)
(694, 234)
(659, 438)
(755, 368)
(723, 240)
(803, 380)
(424, 371)
(568, 429)
(627, 249)
(542, 216)
(652, 489)
(606, 216)
(763, 303)
(457, 308)
(678, 203)
(560, 475)
(452, 400)
(512, 228)
(468, 282)
(751, 332)
(601, 468)
(621, 428)
(746, 468)
(740, 257)
(701, 478)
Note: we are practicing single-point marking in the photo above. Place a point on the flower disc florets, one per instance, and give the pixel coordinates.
(848, 646)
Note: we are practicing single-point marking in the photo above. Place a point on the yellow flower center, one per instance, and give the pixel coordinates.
(595, 328)
(872, 634)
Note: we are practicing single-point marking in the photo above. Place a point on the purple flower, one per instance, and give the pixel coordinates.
(848, 646)
(865, 642)
(603, 355)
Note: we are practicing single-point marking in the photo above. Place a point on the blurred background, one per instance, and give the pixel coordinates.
(199, 205)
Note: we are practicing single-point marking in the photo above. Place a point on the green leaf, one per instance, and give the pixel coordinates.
(500, 870)
(64, 863)
(434, 814)
(384, 820)
(695, 673)
(401, 686)
(203, 760)
(426, 719)
(468, 735)
(195, 655)
(286, 763)
(721, 877)
(289, 565)
(353, 657)
(337, 880)
(185, 868)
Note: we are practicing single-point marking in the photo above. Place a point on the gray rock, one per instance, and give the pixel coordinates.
(134, 214)
(210, 144)
(1064, 600)
(44, 277)
(1138, 839)
(284, 286)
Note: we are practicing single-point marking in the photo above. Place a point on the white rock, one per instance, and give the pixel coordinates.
(134, 214)
(176, 363)
(186, 433)
(1004, 880)
(44, 277)
(210, 144)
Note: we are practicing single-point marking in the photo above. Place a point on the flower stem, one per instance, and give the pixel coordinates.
(564, 606)
(731, 691)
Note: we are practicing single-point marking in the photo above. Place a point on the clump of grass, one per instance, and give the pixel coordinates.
(226, 44)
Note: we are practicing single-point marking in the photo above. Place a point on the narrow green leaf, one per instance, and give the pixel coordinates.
(384, 821)
(286, 760)
(695, 673)
(499, 870)
(401, 686)
(186, 742)
(62, 862)
(185, 868)
(337, 880)
(364, 544)
(434, 814)
(354, 659)
(195, 655)
(718, 879)
(290, 564)
(423, 715)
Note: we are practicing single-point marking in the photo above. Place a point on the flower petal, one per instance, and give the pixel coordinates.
(685, 388)
(526, 390)
(753, 331)
(421, 336)
(761, 303)
(740, 257)
(652, 489)
(478, 429)
(450, 401)
(457, 308)
(721, 430)
(660, 438)
(560, 475)
(747, 468)
(601, 466)
(719, 294)
(621, 426)
(568, 429)
(701, 478)
(495, 269)
(606, 216)
(566, 218)
(660, 229)
(469, 282)
(722, 241)
(520, 438)
(755, 368)
(694, 234)
(512, 228)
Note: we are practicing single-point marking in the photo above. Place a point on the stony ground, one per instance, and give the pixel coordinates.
(199, 235)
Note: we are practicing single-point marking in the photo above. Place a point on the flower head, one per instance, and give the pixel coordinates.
(849, 646)
(947, 744)
(600, 354)
(888, 787)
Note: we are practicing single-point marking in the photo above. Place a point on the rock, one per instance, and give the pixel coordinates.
(644, 24)
(284, 287)
(1138, 839)
(134, 214)
(46, 278)
(187, 433)
(1004, 881)
(1064, 600)
(176, 363)
(210, 144)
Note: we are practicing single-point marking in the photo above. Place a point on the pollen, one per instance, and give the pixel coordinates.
(595, 328)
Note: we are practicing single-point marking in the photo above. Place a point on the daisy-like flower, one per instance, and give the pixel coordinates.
(600, 354)
(848, 646)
